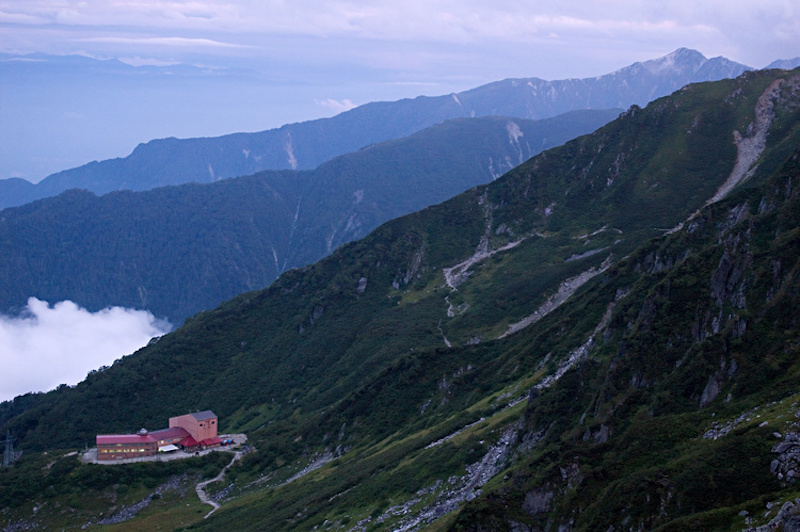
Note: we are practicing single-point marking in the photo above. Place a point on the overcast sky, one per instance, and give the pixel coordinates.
(438, 42)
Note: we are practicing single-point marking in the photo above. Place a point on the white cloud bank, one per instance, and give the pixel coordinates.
(51, 345)
(337, 106)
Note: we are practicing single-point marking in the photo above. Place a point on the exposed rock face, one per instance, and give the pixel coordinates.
(787, 465)
(787, 520)
(455, 490)
(602, 435)
(538, 501)
(126, 513)
(710, 392)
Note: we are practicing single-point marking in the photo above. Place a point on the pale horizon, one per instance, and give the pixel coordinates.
(305, 60)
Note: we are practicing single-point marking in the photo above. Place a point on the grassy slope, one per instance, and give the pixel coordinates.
(645, 381)
(313, 363)
(655, 469)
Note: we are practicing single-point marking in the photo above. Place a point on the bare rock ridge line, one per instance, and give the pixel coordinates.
(316, 463)
(451, 493)
(439, 326)
(579, 353)
(456, 275)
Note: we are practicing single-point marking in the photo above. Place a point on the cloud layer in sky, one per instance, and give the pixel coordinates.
(51, 345)
(751, 32)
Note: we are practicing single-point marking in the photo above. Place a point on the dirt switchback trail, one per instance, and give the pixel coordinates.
(200, 488)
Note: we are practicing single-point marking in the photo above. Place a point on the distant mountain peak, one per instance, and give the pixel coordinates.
(681, 60)
(784, 64)
(688, 65)
(173, 161)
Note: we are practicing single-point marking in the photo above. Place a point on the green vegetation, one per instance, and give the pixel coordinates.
(649, 399)
(56, 490)
(179, 250)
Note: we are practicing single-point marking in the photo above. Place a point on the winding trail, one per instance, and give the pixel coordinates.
(200, 488)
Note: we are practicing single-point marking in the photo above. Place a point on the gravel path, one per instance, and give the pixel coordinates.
(200, 488)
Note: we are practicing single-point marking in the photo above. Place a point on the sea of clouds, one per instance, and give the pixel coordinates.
(49, 345)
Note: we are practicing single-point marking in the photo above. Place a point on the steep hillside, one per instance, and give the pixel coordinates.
(682, 410)
(548, 349)
(306, 145)
(179, 250)
(664, 396)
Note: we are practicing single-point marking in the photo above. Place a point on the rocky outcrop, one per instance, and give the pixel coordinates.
(538, 501)
(126, 513)
(455, 490)
(787, 465)
(787, 520)
(710, 392)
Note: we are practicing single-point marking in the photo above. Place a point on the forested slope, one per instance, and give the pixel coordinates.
(586, 342)
(178, 250)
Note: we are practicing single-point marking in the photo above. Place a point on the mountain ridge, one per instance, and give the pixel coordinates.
(509, 197)
(380, 396)
(179, 250)
(306, 145)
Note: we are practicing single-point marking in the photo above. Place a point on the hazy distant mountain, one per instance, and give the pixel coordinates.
(182, 249)
(16, 191)
(785, 64)
(68, 110)
(306, 145)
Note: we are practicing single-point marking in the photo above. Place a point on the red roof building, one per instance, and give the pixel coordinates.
(125, 439)
(188, 443)
(169, 436)
(211, 442)
(185, 431)
(119, 446)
